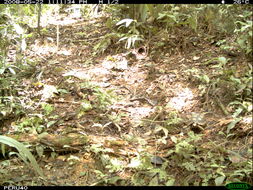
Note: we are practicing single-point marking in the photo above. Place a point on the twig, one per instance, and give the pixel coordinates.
(143, 98)
(59, 101)
(39, 15)
(221, 106)
(57, 37)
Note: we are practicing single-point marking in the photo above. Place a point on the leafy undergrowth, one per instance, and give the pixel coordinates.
(178, 115)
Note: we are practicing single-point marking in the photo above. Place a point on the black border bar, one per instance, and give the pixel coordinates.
(126, 1)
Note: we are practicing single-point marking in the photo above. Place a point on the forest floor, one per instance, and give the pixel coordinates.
(127, 105)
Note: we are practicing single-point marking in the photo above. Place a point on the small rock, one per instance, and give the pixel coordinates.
(157, 160)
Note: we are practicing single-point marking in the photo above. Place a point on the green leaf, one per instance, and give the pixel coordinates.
(40, 150)
(219, 180)
(129, 42)
(63, 91)
(237, 112)
(170, 182)
(241, 43)
(232, 124)
(23, 152)
(193, 22)
(12, 71)
(114, 180)
(3, 149)
(236, 80)
(47, 107)
(174, 139)
(128, 21)
(86, 105)
(222, 60)
(124, 38)
(189, 166)
(161, 15)
(206, 78)
(50, 123)
(2, 70)
(154, 181)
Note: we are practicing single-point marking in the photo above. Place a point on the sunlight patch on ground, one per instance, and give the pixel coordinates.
(182, 99)
(66, 21)
(138, 113)
(64, 52)
(43, 49)
(115, 62)
(52, 17)
(98, 71)
(77, 73)
(47, 48)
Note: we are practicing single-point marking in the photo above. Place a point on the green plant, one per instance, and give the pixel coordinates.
(205, 165)
(169, 17)
(104, 98)
(240, 107)
(108, 40)
(132, 35)
(105, 178)
(198, 76)
(155, 10)
(224, 77)
(10, 102)
(240, 86)
(47, 108)
(4, 68)
(34, 124)
(148, 174)
(24, 153)
(172, 120)
(115, 165)
(243, 85)
(116, 118)
(244, 30)
(85, 106)
(136, 12)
